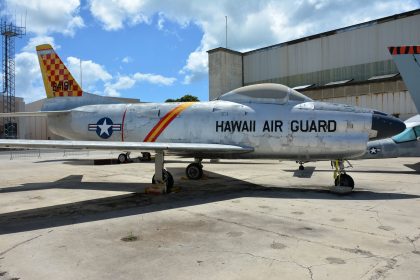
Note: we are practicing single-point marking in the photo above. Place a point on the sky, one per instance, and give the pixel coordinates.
(153, 50)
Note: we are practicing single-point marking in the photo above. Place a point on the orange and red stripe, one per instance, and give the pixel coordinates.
(404, 50)
(165, 121)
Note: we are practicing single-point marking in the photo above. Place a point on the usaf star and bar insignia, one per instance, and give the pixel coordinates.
(374, 150)
(104, 127)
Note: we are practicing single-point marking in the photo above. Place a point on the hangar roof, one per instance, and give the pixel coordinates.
(327, 33)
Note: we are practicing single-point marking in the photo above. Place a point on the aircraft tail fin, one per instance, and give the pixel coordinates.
(407, 59)
(58, 80)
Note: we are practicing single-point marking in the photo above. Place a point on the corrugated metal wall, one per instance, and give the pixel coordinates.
(397, 103)
(342, 55)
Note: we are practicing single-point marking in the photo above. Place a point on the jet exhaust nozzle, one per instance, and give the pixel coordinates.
(386, 125)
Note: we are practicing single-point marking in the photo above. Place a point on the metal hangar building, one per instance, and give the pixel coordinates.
(349, 65)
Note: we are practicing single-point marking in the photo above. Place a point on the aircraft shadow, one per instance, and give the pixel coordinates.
(136, 160)
(414, 166)
(214, 188)
(308, 172)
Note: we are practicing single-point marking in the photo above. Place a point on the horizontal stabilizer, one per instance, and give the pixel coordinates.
(407, 60)
(124, 146)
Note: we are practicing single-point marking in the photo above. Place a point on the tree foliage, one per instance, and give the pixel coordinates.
(185, 98)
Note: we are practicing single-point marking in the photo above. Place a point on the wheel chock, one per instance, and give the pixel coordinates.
(156, 189)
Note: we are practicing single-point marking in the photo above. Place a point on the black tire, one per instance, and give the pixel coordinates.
(194, 171)
(301, 167)
(344, 180)
(146, 156)
(167, 178)
(122, 158)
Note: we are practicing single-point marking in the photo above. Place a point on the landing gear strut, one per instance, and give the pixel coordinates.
(301, 167)
(343, 183)
(194, 171)
(162, 176)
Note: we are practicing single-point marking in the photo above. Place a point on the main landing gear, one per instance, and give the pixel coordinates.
(343, 183)
(123, 158)
(146, 156)
(194, 171)
(162, 176)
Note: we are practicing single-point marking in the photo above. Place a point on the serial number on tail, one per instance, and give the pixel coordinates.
(62, 85)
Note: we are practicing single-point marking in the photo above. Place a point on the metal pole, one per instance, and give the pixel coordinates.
(226, 32)
(81, 75)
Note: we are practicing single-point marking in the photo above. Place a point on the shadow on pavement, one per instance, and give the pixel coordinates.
(214, 188)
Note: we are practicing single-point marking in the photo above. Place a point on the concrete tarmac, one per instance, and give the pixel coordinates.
(63, 218)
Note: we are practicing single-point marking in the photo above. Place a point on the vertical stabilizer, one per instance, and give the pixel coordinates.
(407, 59)
(58, 81)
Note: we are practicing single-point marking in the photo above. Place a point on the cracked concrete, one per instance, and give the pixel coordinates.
(246, 220)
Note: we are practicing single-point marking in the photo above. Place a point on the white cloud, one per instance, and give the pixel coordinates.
(47, 16)
(123, 82)
(28, 78)
(39, 40)
(127, 82)
(161, 22)
(251, 24)
(92, 73)
(196, 67)
(154, 79)
(115, 13)
(127, 59)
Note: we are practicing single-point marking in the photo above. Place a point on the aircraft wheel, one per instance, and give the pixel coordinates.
(301, 167)
(344, 180)
(146, 156)
(122, 158)
(167, 179)
(194, 171)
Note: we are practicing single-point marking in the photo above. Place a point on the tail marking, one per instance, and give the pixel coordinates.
(58, 81)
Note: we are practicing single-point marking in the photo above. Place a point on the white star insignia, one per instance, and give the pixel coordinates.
(104, 128)
(374, 150)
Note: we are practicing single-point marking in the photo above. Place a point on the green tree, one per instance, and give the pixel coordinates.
(185, 98)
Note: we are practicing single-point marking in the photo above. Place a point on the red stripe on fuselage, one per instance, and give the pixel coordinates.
(122, 125)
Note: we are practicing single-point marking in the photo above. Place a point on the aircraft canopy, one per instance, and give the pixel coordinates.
(264, 93)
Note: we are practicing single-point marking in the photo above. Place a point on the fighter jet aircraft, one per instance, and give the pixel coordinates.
(407, 143)
(256, 121)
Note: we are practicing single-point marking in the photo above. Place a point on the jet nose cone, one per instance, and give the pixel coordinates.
(385, 125)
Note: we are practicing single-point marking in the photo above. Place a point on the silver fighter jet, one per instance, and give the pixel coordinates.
(257, 121)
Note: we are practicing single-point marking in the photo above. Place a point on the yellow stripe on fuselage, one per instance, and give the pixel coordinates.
(165, 121)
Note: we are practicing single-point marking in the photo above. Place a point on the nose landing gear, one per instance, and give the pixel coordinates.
(343, 183)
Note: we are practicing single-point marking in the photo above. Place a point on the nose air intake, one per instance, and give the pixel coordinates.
(386, 125)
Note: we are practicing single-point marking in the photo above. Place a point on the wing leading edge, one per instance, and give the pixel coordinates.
(125, 146)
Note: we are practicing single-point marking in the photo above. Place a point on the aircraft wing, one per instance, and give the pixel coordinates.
(33, 114)
(189, 148)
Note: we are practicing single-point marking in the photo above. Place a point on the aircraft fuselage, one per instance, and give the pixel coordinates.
(283, 131)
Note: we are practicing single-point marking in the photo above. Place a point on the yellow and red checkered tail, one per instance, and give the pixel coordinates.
(57, 79)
